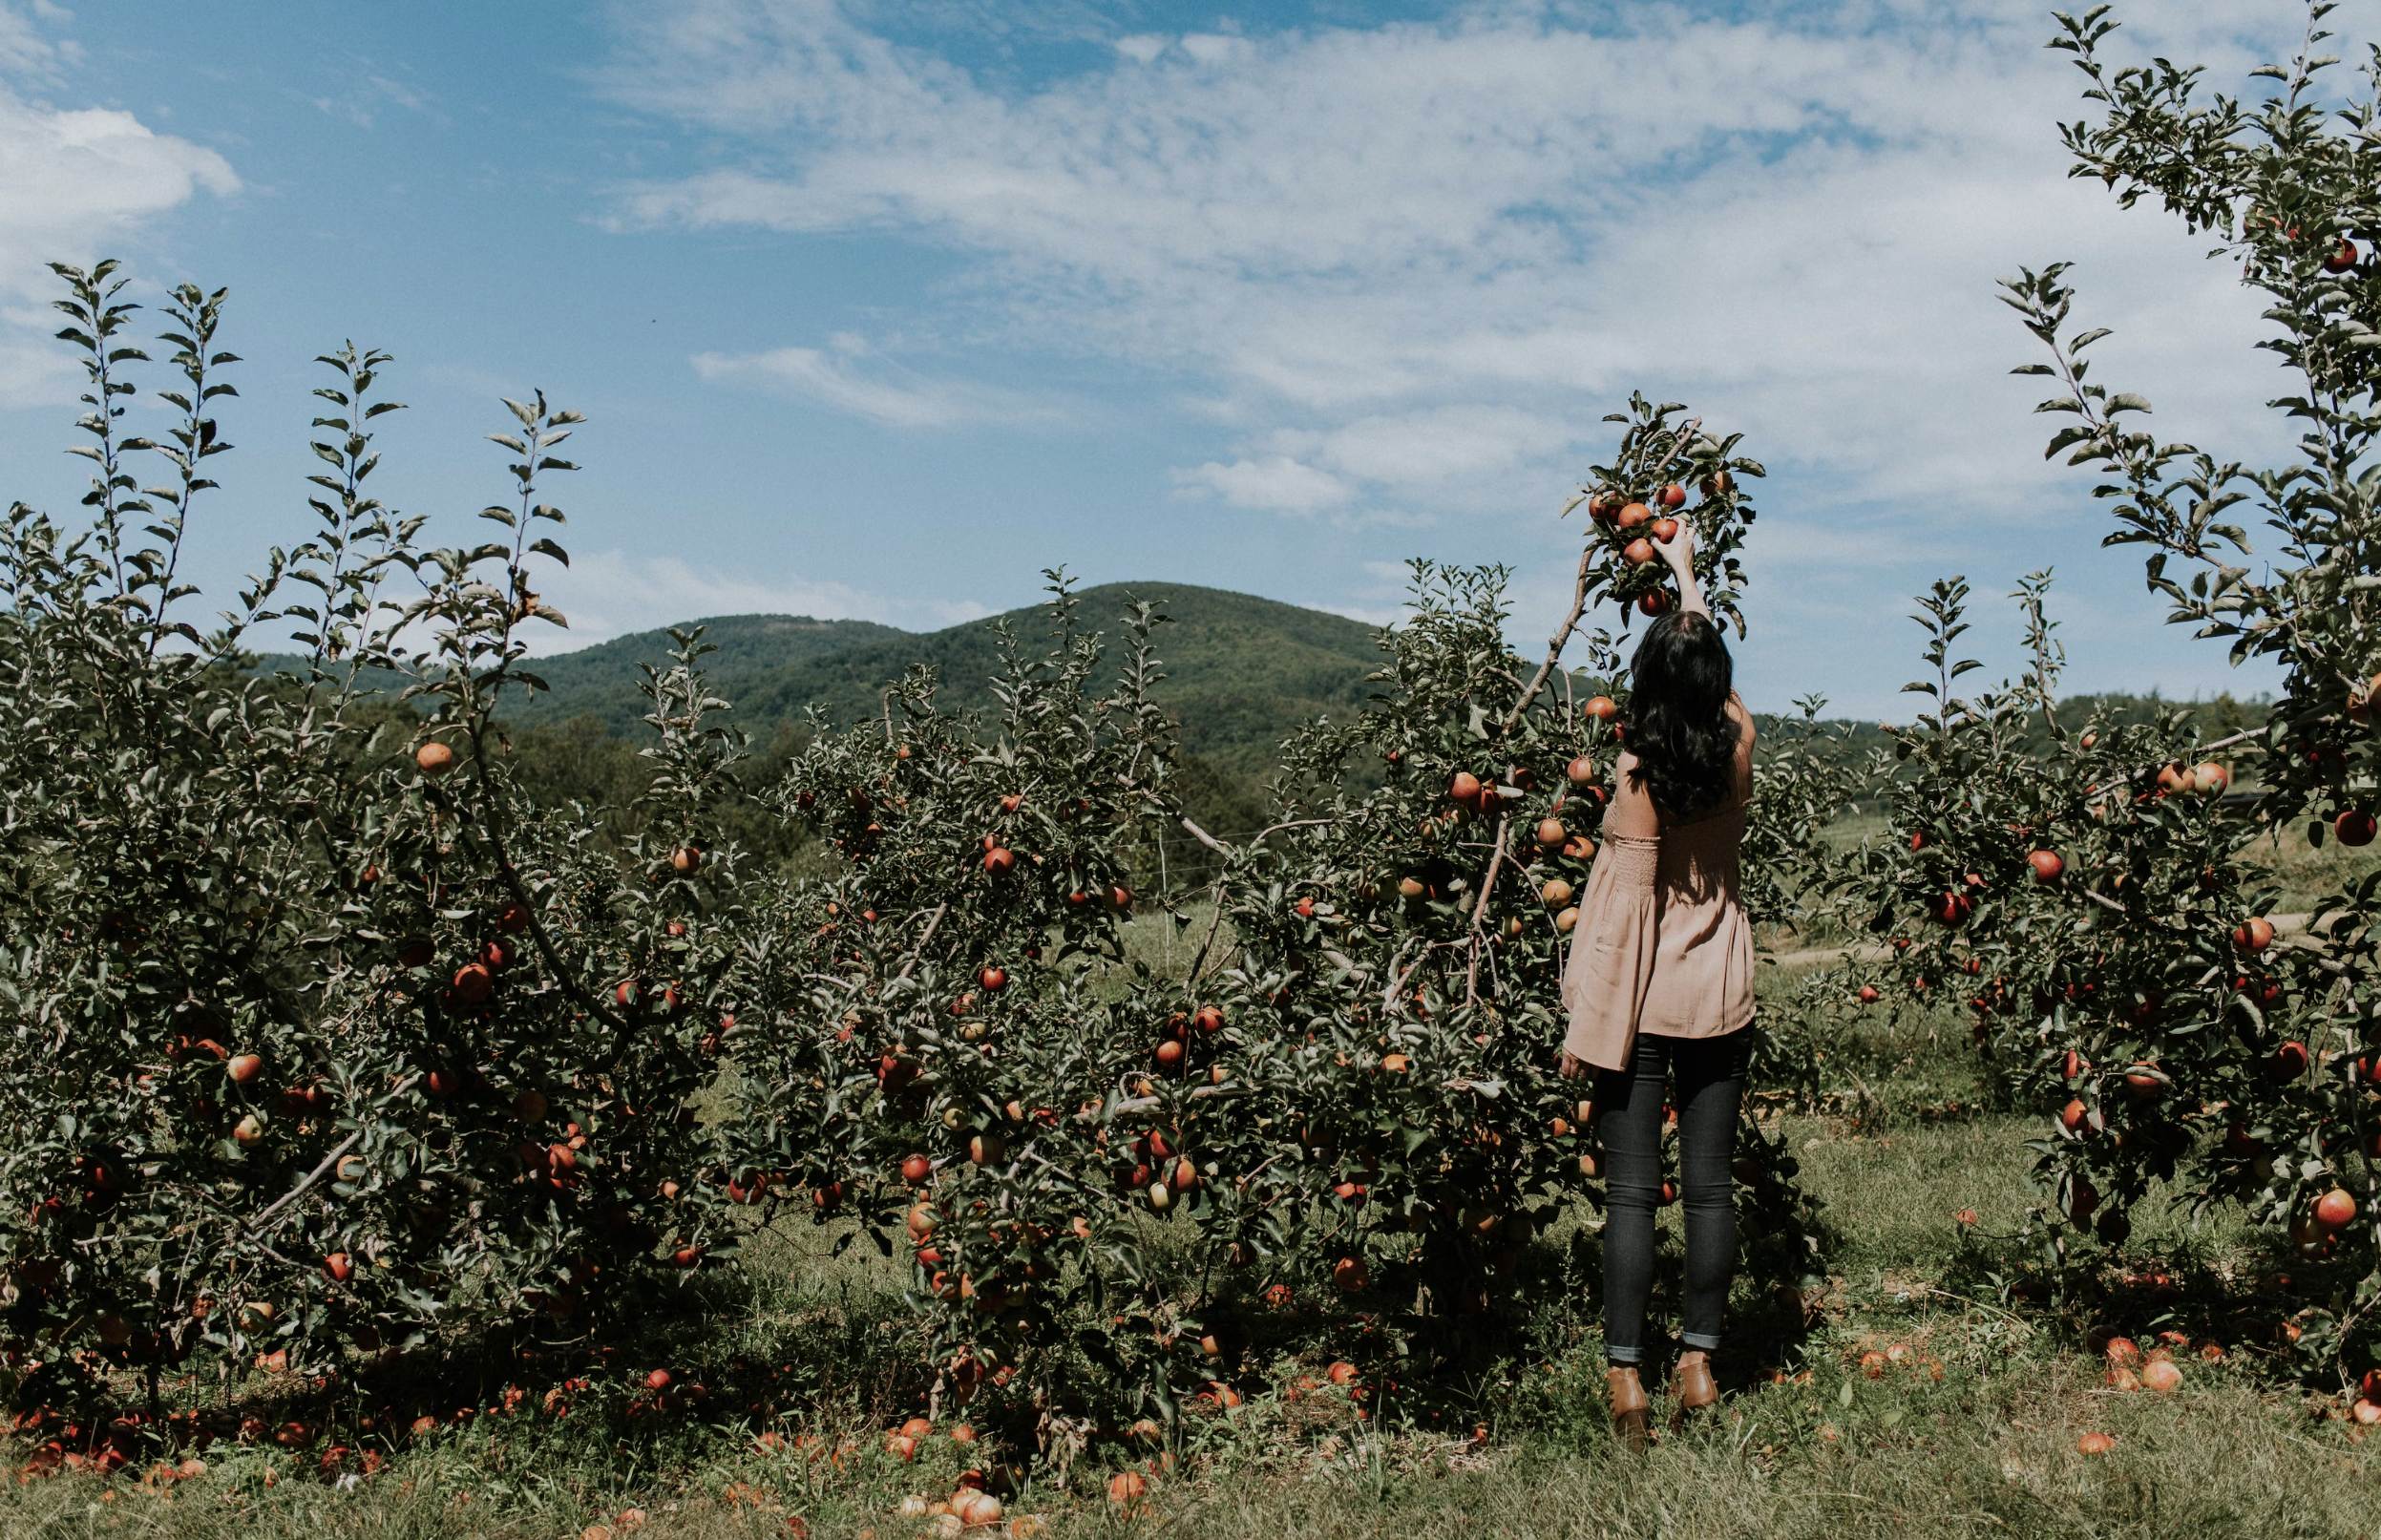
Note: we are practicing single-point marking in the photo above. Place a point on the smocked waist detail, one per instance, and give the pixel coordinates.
(1662, 944)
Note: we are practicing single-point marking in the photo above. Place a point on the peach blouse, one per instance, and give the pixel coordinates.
(1662, 945)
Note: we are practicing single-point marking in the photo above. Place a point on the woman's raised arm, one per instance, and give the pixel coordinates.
(1678, 551)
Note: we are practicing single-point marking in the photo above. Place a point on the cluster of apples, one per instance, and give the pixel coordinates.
(1634, 526)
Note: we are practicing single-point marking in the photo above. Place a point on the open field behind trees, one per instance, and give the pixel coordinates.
(1967, 1425)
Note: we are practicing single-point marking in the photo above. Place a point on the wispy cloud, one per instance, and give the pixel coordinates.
(1418, 261)
(893, 397)
(607, 593)
(25, 50)
(359, 100)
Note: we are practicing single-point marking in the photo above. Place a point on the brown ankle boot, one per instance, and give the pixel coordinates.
(1632, 1413)
(1696, 1389)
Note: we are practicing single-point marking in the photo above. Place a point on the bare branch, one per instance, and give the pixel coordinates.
(256, 1226)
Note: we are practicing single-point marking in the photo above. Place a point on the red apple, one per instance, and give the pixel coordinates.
(1000, 861)
(1655, 602)
(2254, 934)
(2354, 827)
(2335, 1209)
(1639, 554)
(1633, 514)
(2047, 866)
(436, 759)
(1665, 529)
(1674, 495)
(1602, 708)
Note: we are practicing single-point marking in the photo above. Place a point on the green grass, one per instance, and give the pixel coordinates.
(1970, 1429)
(2305, 873)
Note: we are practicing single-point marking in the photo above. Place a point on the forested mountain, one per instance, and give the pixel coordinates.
(1242, 673)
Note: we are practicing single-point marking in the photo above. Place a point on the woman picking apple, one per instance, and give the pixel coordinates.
(1659, 986)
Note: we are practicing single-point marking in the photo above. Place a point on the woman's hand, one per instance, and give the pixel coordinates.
(1678, 553)
(1574, 1069)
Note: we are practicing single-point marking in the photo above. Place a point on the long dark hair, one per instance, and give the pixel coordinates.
(1679, 728)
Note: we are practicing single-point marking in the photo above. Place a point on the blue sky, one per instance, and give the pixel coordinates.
(878, 310)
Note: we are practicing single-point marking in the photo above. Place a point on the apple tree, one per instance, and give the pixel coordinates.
(322, 1037)
(2151, 1011)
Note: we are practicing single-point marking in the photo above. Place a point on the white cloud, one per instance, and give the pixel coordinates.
(609, 593)
(834, 381)
(1416, 262)
(72, 181)
(1276, 481)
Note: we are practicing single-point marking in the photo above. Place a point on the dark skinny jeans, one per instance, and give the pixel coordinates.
(1710, 1074)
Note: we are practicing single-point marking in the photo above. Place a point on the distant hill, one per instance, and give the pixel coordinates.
(1242, 673)
(601, 680)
